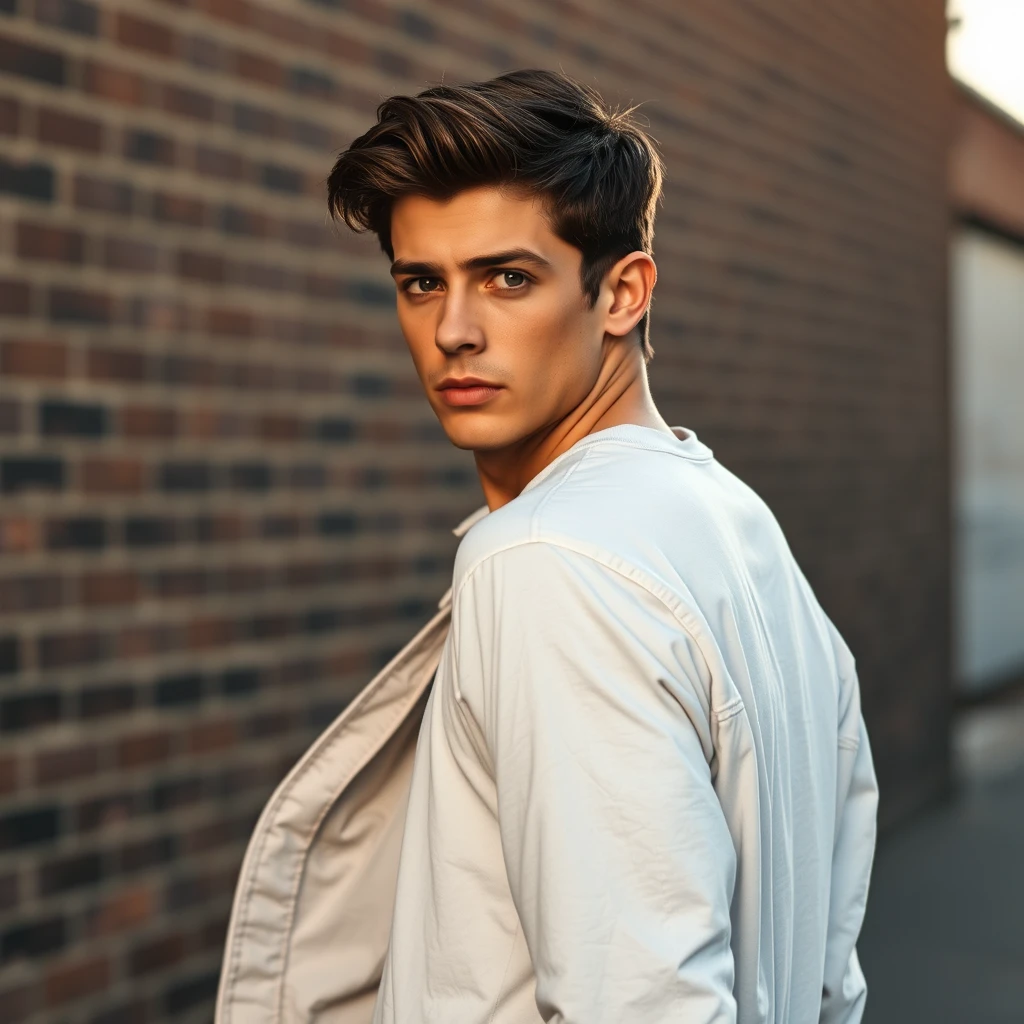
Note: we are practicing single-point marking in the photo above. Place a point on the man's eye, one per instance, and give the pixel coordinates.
(421, 285)
(510, 280)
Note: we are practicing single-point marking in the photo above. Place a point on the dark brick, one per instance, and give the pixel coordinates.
(10, 115)
(240, 682)
(106, 700)
(83, 647)
(71, 15)
(421, 29)
(340, 523)
(251, 476)
(335, 429)
(10, 416)
(149, 531)
(134, 1012)
(189, 103)
(371, 385)
(23, 711)
(30, 472)
(148, 853)
(36, 241)
(168, 794)
(309, 81)
(157, 955)
(34, 62)
(60, 128)
(77, 533)
(370, 293)
(148, 147)
(143, 34)
(75, 419)
(186, 476)
(185, 995)
(282, 179)
(29, 828)
(33, 939)
(9, 659)
(70, 873)
(75, 305)
(29, 180)
(109, 809)
(35, 591)
(99, 194)
(9, 894)
(255, 120)
(179, 690)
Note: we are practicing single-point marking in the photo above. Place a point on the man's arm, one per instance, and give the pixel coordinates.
(844, 991)
(589, 697)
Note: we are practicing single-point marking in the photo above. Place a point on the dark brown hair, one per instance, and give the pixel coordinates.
(536, 130)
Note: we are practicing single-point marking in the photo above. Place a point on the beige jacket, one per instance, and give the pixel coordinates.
(640, 787)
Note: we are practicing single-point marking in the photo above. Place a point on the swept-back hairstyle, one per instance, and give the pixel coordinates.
(539, 131)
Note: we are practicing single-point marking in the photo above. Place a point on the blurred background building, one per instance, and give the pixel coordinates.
(224, 501)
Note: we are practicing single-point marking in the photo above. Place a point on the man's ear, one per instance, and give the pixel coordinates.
(630, 283)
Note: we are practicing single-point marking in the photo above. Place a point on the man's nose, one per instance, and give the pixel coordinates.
(458, 326)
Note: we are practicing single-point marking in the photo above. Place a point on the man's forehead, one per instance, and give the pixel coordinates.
(472, 222)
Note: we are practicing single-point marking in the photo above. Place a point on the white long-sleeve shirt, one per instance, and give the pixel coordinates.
(643, 790)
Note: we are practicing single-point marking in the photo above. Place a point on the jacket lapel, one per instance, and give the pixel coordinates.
(312, 910)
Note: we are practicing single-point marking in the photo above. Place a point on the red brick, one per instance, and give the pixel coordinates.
(31, 358)
(280, 427)
(19, 534)
(69, 130)
(209, 632)
(15, 297)
(36, 241)
(188, 102)
(77, 979)
(8, 774)
(208, 267)
(112, 475)
(125, 910)
(237, 12)
(145, 748)
(68, 762)
(237, 323)
(209, 737)
(29, 592)
(10, 115)
(112, 83)
(109, 587)
(123, 364)
(149, 421)
(131, 254)
(157, 955)
(144, 34)
(258, 68)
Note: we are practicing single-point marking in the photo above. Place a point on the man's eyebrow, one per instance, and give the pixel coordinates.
(494, 259)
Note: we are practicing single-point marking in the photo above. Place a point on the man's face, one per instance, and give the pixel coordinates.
(487, 290)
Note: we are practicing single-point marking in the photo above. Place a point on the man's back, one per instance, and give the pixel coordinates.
(643, 790)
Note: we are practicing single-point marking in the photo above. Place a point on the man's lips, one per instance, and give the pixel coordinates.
(471, 394)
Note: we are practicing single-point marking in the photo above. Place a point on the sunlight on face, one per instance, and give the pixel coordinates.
(486, 289)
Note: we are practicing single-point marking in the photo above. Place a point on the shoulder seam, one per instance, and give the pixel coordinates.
(661, 593)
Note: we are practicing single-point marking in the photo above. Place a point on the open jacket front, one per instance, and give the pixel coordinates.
(312, 911)
(622, 774)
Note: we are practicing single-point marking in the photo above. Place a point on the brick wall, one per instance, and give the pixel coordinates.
(225, 502)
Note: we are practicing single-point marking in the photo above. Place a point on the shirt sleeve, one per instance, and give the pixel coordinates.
(844, 990)
(591, 699)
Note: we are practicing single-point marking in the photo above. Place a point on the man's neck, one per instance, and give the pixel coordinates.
(621, 395)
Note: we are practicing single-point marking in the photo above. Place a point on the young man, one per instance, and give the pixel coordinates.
(640, 787)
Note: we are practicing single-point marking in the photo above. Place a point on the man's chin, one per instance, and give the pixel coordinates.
(478, 434)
